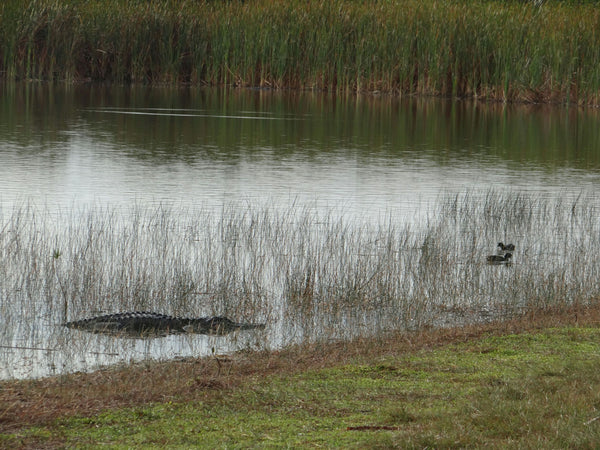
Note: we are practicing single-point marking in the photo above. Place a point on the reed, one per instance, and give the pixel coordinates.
(509, 51)
(310, 274)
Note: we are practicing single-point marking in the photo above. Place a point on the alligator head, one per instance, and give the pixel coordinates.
(218, 326)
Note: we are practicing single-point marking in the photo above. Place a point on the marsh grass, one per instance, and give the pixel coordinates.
(247, 261)
(524, 51)
(312, 275)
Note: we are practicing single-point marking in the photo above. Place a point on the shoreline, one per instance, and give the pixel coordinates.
(40, 402)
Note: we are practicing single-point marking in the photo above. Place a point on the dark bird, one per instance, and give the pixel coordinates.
(505, 248)
(498, 259)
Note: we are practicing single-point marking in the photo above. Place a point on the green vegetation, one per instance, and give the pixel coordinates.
(511, 51)
(479, 387)
(310, 273)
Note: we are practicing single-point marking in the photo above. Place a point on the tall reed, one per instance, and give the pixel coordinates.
(308, 272)
(524, 51)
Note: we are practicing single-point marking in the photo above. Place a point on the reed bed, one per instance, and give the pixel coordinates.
(509, 51)
(309, 274)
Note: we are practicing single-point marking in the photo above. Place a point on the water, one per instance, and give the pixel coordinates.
(69, 150)
(115, 145)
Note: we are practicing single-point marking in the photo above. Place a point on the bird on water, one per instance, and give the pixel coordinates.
(505, 248)
(499, 259)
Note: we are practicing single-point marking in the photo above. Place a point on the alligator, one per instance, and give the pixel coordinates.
(145, 323)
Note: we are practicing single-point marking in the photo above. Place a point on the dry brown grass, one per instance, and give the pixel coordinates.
(39, 402)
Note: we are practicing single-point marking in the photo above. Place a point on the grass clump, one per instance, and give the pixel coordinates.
(530, 382)
(523, 51)
(309, 274)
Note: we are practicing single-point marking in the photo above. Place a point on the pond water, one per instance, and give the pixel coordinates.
(81, 154)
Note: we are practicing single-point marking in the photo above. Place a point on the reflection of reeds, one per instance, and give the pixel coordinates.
(500, 50)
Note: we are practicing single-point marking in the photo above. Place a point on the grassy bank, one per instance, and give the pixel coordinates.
(511, 51)
(527, 383)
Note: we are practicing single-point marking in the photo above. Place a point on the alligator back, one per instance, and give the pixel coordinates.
(131, 323)
(145, 323)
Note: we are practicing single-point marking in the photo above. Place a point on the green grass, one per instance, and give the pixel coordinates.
(531, 390)
(468, 48)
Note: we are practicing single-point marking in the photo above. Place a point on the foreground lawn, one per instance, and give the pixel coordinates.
(536, 389)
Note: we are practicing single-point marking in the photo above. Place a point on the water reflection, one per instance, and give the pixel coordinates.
(90, 143)
(86, 144)
(159, 123)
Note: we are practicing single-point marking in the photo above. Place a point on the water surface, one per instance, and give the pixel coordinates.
(82, 144)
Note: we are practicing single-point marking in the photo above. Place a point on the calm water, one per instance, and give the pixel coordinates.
(64, 149)
(73, 145)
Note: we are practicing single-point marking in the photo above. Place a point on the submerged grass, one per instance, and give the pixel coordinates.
(526, 383)
(524, 51)
(310, 274)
